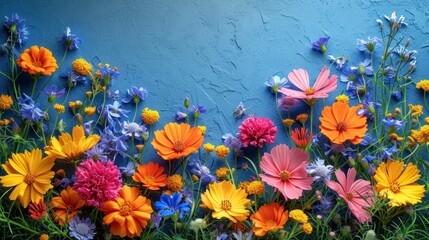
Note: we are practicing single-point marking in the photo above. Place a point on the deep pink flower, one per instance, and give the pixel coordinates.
(285, 169)
(357, 194)
(323, 85)
(97, 182)
(256, 131)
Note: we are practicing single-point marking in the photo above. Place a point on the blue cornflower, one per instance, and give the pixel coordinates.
(320, 45)
(364, 68)
(132, 129)
(325, 205)
(156, 219)
(389, 72)
(17, 28)
(367, 140)
(394, 21)
(135, 94)
(65, 182)
(350, 74)
(112, 113)
(82, 228)
(222, 236)
(87, 127)
(180, 115)
(53, 93)
(233, 142)
(405, 54)
(128, 170)
(397, 95)
(369, 108)
(339, 61)
(197, 168)
(73, 78)
(114, 95)
(112, 144)
(29, 110)
(239, 111)
(369, 45)
(107, 73)
(338, 148)
(320, 171)
(369, 158)
(96, 153)
(70, 40)
(393, 124)
(170, 205)
(357, 88)
(388, 152)
(275, 83)
(198, 110)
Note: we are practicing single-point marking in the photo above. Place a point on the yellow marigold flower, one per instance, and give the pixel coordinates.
(208, 147)
(243, 185)
(59, 108)
(288, 122)
(226, 201)
(421, 135)
(298, 215)
(89, 111)
(5, 102)
(222, 151)
(72, 105)
(416, 110)
(398, 182)
(175, 183)
(302, 118)
(423, 84)
(4, 122)
(222, 172)
(307, 228)
(150, 116)
(82, 67)
(203, 129)
(427, 120)
(342, 98)
(255, 187)
(44, 237)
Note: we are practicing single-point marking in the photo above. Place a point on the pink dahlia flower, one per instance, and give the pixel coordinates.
(323, 85)
(256, 131)
(285, 169)
(97, 182)
(357, 194)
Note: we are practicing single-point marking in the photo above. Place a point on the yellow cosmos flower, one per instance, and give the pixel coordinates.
(398, 183)
(226, 201)
(29, 174)
(71, 147)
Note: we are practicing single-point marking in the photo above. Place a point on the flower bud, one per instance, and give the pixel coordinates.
(79, 119)
(187, 103)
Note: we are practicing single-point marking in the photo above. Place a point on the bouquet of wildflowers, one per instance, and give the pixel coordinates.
(352, 168)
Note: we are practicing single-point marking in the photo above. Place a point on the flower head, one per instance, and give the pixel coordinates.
(256, 131)
(226, 201)
(338, 61)
(286, 103)
(37, 60)
(270, 217)
(301, 137)
(5, 102)
(53, 93)
(421, 135)
(132, 129)
(341, 123)
(135, 94)
(82, 67)
(150, 116)
(17, 29)
(393, 124)
(398, 182)
(357, 194)
(128, 213)
(320, 45)
(29, 109)
(97, 182)
(285, 169)
(70, 40)
(274, 83)
(320, 170)
(170, 205)
(370, 45)
(239, 111)
(174, 183)
(37, 210)
(197, 110)
(73, 78)
(222, 151)
(394, 21)
(197, 168)
(82, 228)
(298, 215)
(66, 205)
(177, 141)
(30, 174)
(424, 85)
(233, 142)
(151, 176)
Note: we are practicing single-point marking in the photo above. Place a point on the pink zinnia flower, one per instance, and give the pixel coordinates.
(285, 169)
(323, 85)
(97, 182)
(357, 194)
(256, 131)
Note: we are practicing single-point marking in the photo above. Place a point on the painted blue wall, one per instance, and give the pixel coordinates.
(218, 53)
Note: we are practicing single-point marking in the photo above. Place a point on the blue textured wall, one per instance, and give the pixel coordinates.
(218, 53)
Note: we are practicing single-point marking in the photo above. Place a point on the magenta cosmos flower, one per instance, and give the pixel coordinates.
(256, 131)
(323, 85)
(285, 169)
(97, 182)
(357, 194)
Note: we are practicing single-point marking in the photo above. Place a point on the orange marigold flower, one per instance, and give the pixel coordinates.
(270, 217)
(175, 183)
(5, 102)
(222, 172)
(299, 137)
(128, 213)
(288, 122)
(302, 118)
(37, 210)
(66, 206)
(89, 111)
(222, 151)
(341, 123)
(44, 237)
(151, 176)
(37, 61)
(421, 135)
(59, 108)
(255, 188)
(177, 141)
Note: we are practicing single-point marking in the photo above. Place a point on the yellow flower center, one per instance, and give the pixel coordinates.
(125, 209)
(284, 175)
(341, 127)
(225, 205)
(310, 91)
(29, 179)
(349, 196)
(395, 187)
(178, 146)
(149, 179)
(270, 224)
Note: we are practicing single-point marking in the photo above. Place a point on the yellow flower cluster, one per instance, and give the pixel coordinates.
(222, 151)
(82, 67)
(208, 147)
(222, 172)
(299, 216)
(255, 187)
(342, 98)
(416, 110)
(175, 183)
(59, 108)
(421, 135)
(150, 116)
(5, 102)
(423, 84)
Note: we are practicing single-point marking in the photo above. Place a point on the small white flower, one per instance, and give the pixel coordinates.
(198, 224)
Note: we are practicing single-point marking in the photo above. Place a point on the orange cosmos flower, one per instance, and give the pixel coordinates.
(66, 206)
(37, 210)
(128, 213)
(151, 176)
(37, 61)
(341, 123)
(177, 141)
(270, 217)
(299, 137)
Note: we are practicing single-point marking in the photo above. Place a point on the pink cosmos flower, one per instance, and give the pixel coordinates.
(97, 182)
(285, 169)
(357, 194)
(256, 131)
(323, 85)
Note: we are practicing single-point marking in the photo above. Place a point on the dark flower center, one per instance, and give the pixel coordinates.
(125, 209)
(179, 146)
(341, 127)
(395, 187)
(349, 196)
(225, 205)
(29, 179)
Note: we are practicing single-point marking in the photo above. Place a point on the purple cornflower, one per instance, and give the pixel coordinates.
(128, 170)
(364, 68)
(239, 111)
(393, 124)
(17, 29)
(369, 108)
(274, 83)
(181, 115)
(198, 110)
(82, 228)
(29, 110)
(132, 129)
(70, 40)
(96, 153)
(320, 171)
(339, 61)
(367, 140)
(135, 94)
(369, 45)
(197, 168)
(114, 95)
(357, 89)
(156, 219)
(286, 103)
(73, 78)
(87, 127)
(320, 45)
(232, 141)
(52, 93)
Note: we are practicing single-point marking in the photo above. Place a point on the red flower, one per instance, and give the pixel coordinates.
(256, 131)
(37, 210)
(299, 137)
